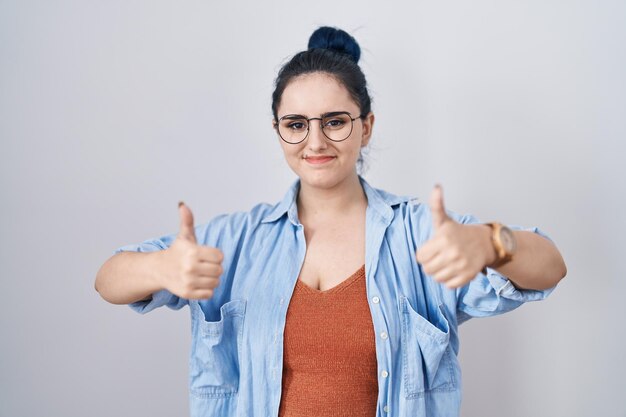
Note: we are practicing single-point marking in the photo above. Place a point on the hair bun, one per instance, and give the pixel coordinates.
(336, 40)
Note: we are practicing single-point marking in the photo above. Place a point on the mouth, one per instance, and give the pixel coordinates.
(317, 160)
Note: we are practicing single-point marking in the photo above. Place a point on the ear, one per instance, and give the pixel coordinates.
(368, 125)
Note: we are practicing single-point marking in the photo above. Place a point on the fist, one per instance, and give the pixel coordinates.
(456, 253)
(191, 271)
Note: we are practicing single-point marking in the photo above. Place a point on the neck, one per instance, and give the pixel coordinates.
(320, 203)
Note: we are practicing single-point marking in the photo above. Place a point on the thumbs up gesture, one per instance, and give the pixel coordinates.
(190, 270)
(456, 252)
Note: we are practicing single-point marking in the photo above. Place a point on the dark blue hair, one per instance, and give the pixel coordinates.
(331, 51)
(336, 40)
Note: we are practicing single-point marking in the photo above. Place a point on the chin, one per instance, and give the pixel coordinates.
(316, 181)
(323, 179)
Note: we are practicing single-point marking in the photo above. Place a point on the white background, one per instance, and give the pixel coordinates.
(113, 111)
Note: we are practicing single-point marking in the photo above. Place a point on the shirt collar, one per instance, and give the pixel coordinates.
(378, 200)
(286, 205)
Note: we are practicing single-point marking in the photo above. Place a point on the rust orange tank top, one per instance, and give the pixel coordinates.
(330, 364)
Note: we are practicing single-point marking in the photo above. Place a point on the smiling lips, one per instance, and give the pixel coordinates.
(318, 159)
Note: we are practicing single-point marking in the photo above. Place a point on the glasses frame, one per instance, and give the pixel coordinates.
(308, 126)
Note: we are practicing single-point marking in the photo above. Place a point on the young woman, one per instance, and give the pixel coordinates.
(342, 299)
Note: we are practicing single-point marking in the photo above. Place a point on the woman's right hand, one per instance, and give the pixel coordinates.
(190, 270)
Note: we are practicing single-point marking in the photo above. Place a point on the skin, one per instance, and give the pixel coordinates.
(186, 269)
(456, 253)
(331, 202)
(331, 207)
(312, 95)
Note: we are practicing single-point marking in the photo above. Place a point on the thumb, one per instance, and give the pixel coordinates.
(437, 208)
(186, 223)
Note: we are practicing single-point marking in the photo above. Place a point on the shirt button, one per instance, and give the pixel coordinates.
(376, 300)
(385, 374)
(384, 335)
(386, 409)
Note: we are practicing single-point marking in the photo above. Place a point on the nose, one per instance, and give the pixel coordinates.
(316, 140)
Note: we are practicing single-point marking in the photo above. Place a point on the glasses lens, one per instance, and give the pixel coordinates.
(293, 129)
(337, 127)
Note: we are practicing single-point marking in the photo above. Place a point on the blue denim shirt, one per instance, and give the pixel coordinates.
(236, 360)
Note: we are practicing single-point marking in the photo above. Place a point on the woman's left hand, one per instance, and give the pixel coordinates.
(456, 252)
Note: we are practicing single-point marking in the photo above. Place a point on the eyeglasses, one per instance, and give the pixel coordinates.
(336, 126)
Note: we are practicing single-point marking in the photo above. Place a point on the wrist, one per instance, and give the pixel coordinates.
(158, 270)
(491, 256)
(503, 243)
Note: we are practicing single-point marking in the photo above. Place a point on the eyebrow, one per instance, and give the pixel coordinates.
(324, 115)
(293, 117)
(334, 113)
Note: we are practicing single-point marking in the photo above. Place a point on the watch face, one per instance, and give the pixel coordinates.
(508, 240)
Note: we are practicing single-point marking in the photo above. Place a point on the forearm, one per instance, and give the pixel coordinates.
(127, 277)
(537, 263)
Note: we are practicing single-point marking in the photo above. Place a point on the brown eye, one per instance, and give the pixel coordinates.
(297, 126)
(294, 125)
(336, 122)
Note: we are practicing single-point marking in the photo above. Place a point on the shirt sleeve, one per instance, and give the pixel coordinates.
(223, 231)
(492, 293)
(160, 298)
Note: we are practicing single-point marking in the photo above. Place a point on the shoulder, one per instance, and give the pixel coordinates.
(421, 211)
(406, 205)
(243, 223)
(253, 216)
(413, 213)
(233, 225)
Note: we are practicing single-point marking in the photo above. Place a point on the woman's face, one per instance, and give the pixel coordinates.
(318, 161)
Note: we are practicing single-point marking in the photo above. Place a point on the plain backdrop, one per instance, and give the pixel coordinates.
(113, 111)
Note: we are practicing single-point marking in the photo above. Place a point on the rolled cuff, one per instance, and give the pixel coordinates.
(159, 298)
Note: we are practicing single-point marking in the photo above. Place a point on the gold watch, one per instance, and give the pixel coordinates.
(504, 243)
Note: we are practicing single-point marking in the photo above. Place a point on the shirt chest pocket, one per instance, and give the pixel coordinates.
(215, 351)
(428, 363)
